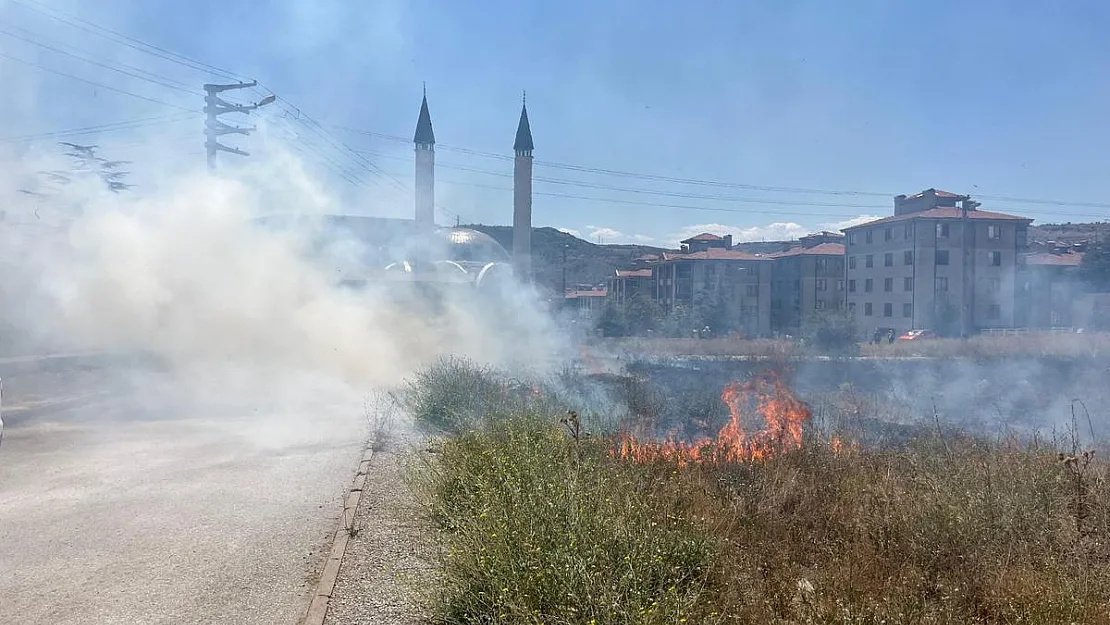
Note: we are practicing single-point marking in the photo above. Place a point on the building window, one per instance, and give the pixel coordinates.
(888, 310)
(907, 257)
(867, 236)
(994, 285)
(888, 284)
(867, 285)
(994, 232)
(822, 264)
(942, 257)
(822, 285)
(752, 290)
(996, 258)
(994, 311)
(851, 286)
(888, 259)
(942, 231)
(851, 238)
(867, 309)
(852, 307)
(907, 310)
(839, 285)
(819, 304)
(907, 284)
(888, 234)
(869, 261)
(942, 284)
(907, 230)
(851, 262)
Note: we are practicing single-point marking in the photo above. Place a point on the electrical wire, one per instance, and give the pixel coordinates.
(94, 83)
(130, 71)
(118, 37)
(108, 127)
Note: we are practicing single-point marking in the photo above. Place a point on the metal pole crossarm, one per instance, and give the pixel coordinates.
(210, 88)
(219, 128)
(214, 146)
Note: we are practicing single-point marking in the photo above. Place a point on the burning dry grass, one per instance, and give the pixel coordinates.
(543, 525)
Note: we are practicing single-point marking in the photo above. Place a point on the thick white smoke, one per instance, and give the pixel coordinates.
(183, 274)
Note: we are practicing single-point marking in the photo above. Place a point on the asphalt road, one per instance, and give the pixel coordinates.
(131, 498)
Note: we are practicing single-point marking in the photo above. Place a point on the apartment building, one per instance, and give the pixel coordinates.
(935, 265)
(806, 281)
(700, 279)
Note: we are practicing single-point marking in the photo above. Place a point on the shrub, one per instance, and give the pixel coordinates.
(542, 528)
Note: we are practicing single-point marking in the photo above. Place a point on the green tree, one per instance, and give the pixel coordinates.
(1095, 268)
(679, 323)
(832, 331)
(641, 314)
(611, 321)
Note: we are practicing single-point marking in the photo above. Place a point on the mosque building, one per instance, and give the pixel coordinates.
(466, 252)
(361, 249)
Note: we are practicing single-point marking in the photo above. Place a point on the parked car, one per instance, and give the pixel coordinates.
(918, 335)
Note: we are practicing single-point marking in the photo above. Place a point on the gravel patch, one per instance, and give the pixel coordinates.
(388, 573)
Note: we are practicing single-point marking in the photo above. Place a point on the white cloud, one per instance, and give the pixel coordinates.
(778, 231)
(848, 223)
(609, 236)
(571, 231)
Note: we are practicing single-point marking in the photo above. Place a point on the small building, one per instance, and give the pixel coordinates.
(628, 284)
(586, 302)
(706, 241)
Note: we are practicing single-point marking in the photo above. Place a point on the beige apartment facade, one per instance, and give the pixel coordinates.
(933, 265)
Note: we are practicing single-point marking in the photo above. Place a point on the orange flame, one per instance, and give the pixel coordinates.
(783, 416)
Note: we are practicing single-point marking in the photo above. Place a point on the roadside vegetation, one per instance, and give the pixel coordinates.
(542, 523)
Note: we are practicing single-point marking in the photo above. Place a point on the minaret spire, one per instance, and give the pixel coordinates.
(522, 196)
(523, 143)
(425, 140)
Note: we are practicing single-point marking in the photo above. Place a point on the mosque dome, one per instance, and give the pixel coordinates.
(470, 246)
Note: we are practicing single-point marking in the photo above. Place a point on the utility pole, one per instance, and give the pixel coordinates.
(213, 127)
(565, 246)
(967, 242)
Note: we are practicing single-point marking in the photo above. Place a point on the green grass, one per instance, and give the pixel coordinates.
(540, 526)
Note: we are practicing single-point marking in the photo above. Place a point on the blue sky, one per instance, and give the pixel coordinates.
(996, 99)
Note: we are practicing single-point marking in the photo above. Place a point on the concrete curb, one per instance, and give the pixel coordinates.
(318, 608)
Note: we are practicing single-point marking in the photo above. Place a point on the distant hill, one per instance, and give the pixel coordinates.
(1069, 232)
(590, 263)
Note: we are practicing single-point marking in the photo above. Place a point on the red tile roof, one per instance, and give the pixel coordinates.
(1071, 259)
(713, 253)
(824, 249)
(944, 212)
(633, 273)
(705, 236)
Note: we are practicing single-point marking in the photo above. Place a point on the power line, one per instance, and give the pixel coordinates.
(108, 127)
(126, 40)
(715, 209)
(126, 72)
(94, 83)
(683, 195)
(715, 183)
